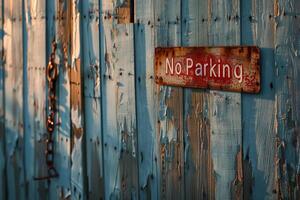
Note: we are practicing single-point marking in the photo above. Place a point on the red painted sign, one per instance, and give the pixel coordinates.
(223, 68)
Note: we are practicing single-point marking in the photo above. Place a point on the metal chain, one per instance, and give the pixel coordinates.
(52, 75)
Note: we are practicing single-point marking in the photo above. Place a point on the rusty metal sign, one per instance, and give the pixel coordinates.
(222, 68)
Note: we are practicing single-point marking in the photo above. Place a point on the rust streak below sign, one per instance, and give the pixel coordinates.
(222, 68)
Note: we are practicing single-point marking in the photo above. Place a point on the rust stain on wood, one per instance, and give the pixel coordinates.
(224, 68)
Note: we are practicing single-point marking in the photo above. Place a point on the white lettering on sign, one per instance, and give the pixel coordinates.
(211, 69)
(178, 68)
(169, 67)
(189, 65)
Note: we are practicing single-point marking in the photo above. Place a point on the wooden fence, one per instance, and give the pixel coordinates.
(121, 136)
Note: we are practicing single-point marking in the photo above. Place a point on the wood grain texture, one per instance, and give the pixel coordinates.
(287, 96)
(14, 127)
(146, 116)
(121, 136)
(118, 107)
(199, 173)
(258, 111)
(225, 107)
(170, 106)
(146, 101)
(78, 162)
(35, 96)
(92, 98)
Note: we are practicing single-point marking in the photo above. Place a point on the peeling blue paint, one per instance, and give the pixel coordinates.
(258, 112)
(140, 140)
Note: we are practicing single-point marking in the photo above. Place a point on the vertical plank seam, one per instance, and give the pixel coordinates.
(101, 71)
(25, 92)
(84, 135)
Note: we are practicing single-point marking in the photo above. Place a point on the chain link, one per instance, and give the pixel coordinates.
(52, 75)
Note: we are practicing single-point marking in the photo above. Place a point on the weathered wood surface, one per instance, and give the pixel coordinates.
(58, 31)
(13, 108)
(199, 179)
(167, 16)
(90, 58)
(34, 96)
(78, 162)
(118, 106)
(225, 108)
(146, 96)
(146, 104)
(287, 105)
(121, 136)
(258, 112)
(119, 117)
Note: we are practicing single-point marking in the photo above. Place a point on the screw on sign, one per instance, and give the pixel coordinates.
(234, 69)
(52, 75)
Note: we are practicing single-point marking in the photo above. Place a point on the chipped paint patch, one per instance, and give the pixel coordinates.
(125, 12)
(276, 8)
(237, 184)
(199, 167)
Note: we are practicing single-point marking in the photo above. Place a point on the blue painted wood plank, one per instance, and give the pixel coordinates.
(199, 173)
(146, 101)
(191, 137)
(169, 106)
(78, 169)
(118, 107)
(34, 96)
(144, 12)
(57, 29)
(146, 116)
(257, 28)
(92, 98)
(225, 107)
(287, 104)
(14, 127)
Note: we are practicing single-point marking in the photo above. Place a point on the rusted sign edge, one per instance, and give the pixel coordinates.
(253, 59)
